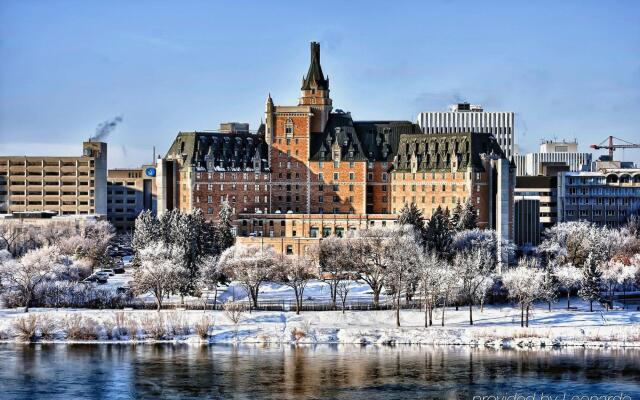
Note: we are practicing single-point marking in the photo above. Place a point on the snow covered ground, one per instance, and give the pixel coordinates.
(495, 326)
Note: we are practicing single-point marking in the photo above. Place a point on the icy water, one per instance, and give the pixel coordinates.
(320, 372)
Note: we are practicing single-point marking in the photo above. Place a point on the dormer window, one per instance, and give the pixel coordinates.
(288, 129)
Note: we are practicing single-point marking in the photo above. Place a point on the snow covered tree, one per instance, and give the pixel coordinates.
(23, 276)
(367, 249)
(210, 277)
(342, 290)
(524, 284)
(569, 278)
(335, 262)
(591, 282)
(402, 254)
(296, 272)
(147, 230)
(251, 266)
(431, 283)
(474, 267)
(411, 215)
(438, 233)
(549, 285)
(159, 272)
(224, 233)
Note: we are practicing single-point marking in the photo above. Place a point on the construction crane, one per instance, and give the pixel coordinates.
(614, 146)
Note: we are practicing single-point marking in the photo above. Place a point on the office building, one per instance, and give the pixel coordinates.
(552, 153)
(55, 185)
(465, 117)
(129, 192)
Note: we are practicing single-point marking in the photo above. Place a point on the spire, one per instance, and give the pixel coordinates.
(315, 79)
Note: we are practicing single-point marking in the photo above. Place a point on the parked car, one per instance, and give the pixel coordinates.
(99, 279)
(107, 271)
(124, 290)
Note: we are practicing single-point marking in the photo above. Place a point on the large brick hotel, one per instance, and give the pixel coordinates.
(312, 171)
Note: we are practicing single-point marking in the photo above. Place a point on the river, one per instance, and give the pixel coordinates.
(112, 371)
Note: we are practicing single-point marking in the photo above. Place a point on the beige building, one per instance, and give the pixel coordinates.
(57, 185)
(129, 192)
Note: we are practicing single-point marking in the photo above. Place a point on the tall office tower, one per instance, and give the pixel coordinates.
(552, 154)
(465, 117)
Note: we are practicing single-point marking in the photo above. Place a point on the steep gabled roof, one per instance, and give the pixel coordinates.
(315, 78)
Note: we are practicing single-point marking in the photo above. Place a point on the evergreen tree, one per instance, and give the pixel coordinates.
(224, 234)
(468, 217)
(146, 231)
(438, 234)
(411, 215)
(456, 215)
(591, 282)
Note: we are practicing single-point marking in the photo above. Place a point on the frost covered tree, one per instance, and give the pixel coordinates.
(402, 254)
(296, 272)
(411, 215)
(335, 263)
(342, 290)
(524, 284)
(251, 266)
(224, 232)
(431, 277)
(159, 271)
(591, 282)
(474, 267)
(189, 233)
(210, 277)
(147, 230)
(569, 278)
(26, 274)
(368, 251)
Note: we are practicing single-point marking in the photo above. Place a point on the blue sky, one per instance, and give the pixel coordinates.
(569, 69)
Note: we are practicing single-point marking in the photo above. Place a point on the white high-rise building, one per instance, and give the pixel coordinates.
(465, 117)
(552, 153)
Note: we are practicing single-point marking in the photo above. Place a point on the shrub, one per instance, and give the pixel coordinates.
(297, 333)
(26, 327)
(234, 310)
(177, 323)
(47, 327)
(78, 327)
(154, 325)
(203, 326)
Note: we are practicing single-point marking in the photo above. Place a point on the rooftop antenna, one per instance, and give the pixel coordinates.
(154, 155)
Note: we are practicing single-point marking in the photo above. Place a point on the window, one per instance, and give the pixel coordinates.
(370, 176)
(209, 199)
(352, 164)
(352, 176)
(384, 177)
(288, 129)
(336, 176)
(320, 199)
(289, 249)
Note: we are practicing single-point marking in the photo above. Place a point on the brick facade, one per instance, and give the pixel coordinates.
(309, 163)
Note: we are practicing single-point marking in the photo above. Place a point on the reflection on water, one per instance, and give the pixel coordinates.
(322, 372)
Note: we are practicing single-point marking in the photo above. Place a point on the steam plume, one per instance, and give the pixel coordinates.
(104, 129)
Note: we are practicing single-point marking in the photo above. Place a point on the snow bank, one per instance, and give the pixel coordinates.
(493, 327)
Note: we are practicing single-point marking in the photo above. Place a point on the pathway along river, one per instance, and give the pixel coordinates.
(319, 372)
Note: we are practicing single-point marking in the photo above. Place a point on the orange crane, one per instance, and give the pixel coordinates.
(613, 146)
